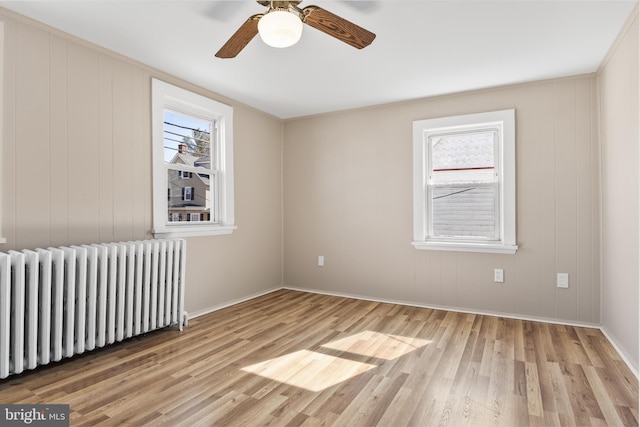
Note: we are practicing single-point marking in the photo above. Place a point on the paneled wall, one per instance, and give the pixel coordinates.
(77, 163)
(77, 169)
(348, 197)
(620, 118)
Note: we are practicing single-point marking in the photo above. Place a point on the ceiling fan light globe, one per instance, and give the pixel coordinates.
(280, 28)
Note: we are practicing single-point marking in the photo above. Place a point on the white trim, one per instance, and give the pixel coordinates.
(621, 35)
(552, 321)
(449, 308)
(590, 325)
(467, 247)
(504, 120)
(166, 96)
(620, 351)
(192, 231)
(208, 310)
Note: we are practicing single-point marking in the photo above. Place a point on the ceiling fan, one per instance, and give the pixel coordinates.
(281, 26)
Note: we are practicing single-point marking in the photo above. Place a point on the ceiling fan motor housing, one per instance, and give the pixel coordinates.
(280, 5)
(291, 19)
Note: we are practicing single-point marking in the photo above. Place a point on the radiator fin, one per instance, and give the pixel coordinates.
(58, 302)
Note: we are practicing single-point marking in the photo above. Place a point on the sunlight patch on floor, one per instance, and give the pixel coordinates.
(310, 370)
(317, 370)
(378, 345)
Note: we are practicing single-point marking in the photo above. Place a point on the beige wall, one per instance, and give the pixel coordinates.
(77, 169)
(620, 118)
(348, 197)
(77, 163)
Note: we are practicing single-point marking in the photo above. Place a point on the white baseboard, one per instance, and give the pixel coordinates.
(208, 310)
(618, 349)
(623, 355)
(454, 309)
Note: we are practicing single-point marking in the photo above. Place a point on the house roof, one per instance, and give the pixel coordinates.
(187, 159)
(191, 160)
(463, 151)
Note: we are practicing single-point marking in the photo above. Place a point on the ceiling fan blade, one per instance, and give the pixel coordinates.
(240, 38)
(337, 27)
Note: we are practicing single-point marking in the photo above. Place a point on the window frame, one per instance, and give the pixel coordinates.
(169, 97)
(504, 122)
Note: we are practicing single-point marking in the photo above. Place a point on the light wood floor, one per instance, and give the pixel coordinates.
(292, 358)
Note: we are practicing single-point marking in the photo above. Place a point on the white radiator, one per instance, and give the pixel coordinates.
(58, 302)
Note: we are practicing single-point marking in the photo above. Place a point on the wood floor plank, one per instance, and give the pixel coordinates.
(534, 396)
(292, 358)
(604, 402)
(561, 396)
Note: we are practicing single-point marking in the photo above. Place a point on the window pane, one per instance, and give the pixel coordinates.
(464, 212)
(187, 140)
(463, 157)
(189, 198)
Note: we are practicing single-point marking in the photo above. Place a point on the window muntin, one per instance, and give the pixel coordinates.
(464, 183)
(189, 143)
(193, 163)
(463, 186)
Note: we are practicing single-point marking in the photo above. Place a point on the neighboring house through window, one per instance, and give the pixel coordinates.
(464, 183)
(193, 163)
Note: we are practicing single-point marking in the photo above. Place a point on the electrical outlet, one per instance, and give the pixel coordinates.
(562, 280)
(320, 261)
(498, 275)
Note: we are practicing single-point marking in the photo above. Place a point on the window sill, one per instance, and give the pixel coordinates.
(466, 247)
(192, 231)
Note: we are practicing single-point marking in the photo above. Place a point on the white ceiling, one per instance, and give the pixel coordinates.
(422, 48)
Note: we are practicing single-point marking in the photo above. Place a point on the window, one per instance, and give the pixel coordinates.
(187, 193)
(464, 183)
(192, 162)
